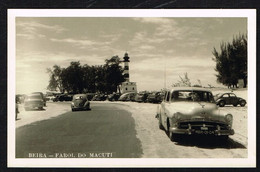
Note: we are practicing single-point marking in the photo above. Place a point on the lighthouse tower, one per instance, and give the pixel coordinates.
(127, 86)
(126, 67)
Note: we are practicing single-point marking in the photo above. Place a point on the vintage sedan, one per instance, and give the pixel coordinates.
(33, 101)
(223, 99)
(80, 102)
(192, 111)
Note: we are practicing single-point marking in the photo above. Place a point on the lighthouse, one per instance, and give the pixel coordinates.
(126, 67)
(127, 86)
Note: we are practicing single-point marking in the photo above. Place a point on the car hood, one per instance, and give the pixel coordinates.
(196, 111)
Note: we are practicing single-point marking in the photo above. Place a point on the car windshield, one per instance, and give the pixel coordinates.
(191, 95)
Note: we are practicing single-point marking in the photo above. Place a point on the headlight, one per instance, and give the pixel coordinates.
(72, 103)
(229, 118)
(177, 115)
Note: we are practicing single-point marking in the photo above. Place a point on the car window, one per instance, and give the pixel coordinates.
(36, 96)
(232, 95)
(225, 95)
(167, 98)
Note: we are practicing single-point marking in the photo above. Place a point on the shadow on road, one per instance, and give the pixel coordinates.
(209, 142)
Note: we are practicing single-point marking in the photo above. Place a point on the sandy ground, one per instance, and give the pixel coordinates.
(154, 141)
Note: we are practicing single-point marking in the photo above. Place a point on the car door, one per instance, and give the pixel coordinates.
(233, 98)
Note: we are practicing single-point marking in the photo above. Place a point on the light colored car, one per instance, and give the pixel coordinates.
(80, 102)
(33, 101)
(192, 111)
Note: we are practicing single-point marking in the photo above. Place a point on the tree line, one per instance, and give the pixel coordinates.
(77, 78)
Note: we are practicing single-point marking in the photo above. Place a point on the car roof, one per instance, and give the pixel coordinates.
(189, 89)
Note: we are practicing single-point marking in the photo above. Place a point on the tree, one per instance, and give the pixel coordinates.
(72, 78)
(113, 74)
(231, 61)
(183, 82)
(55, 81)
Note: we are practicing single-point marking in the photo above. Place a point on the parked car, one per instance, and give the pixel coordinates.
(127, 96)
(90, 96)
(80, 102)
(50, 98)
(63, 97)
(192, 111)
(33, 101)
(99, 97)
(42, 96)
(223, 99)
(141, 97)
(155, 97)
(113, 96)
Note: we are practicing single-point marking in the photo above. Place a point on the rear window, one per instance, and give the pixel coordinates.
(36, 96)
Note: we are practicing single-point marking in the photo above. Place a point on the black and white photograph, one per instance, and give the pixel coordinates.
(131, 88)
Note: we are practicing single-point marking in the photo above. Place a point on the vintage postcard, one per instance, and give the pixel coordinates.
(131, 88)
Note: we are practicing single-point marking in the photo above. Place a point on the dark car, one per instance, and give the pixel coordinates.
(80, 102)
(99, 97)
(63, 97)
(113, 97)
(154, 97)
(141, 97)
(127, 96)
(223, 99)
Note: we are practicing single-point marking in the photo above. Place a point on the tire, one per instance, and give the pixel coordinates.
(242, 103)
(160, 122)
(72, 110)
(235, 105)
(222, 103)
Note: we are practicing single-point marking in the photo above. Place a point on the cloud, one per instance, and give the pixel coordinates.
(32, 30)
(155, 20)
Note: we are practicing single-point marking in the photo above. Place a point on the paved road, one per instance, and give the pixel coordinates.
(105, 131)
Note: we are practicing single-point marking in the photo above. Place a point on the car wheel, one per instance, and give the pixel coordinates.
(72, 110)
(235, 104)
(160, 122)
(242, 103)
(222, 103)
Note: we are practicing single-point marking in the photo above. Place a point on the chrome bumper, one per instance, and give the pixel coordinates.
(202, 132)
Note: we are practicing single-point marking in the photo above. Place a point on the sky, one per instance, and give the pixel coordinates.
(160, 49)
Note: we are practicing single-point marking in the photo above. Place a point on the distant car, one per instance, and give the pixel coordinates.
(50, 98)
(223, 99)
(113, 97)
(141, 97)
(42, 96)
(33, 101)
(127, 96)
(155, 97)
(63, 97)
(80, 102)
(192, 111)
(99, 97)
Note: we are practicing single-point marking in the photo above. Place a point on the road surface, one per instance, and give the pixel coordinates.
(103, 132)
(115, 130)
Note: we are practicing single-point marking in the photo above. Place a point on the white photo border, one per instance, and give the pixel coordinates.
(250, 161)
